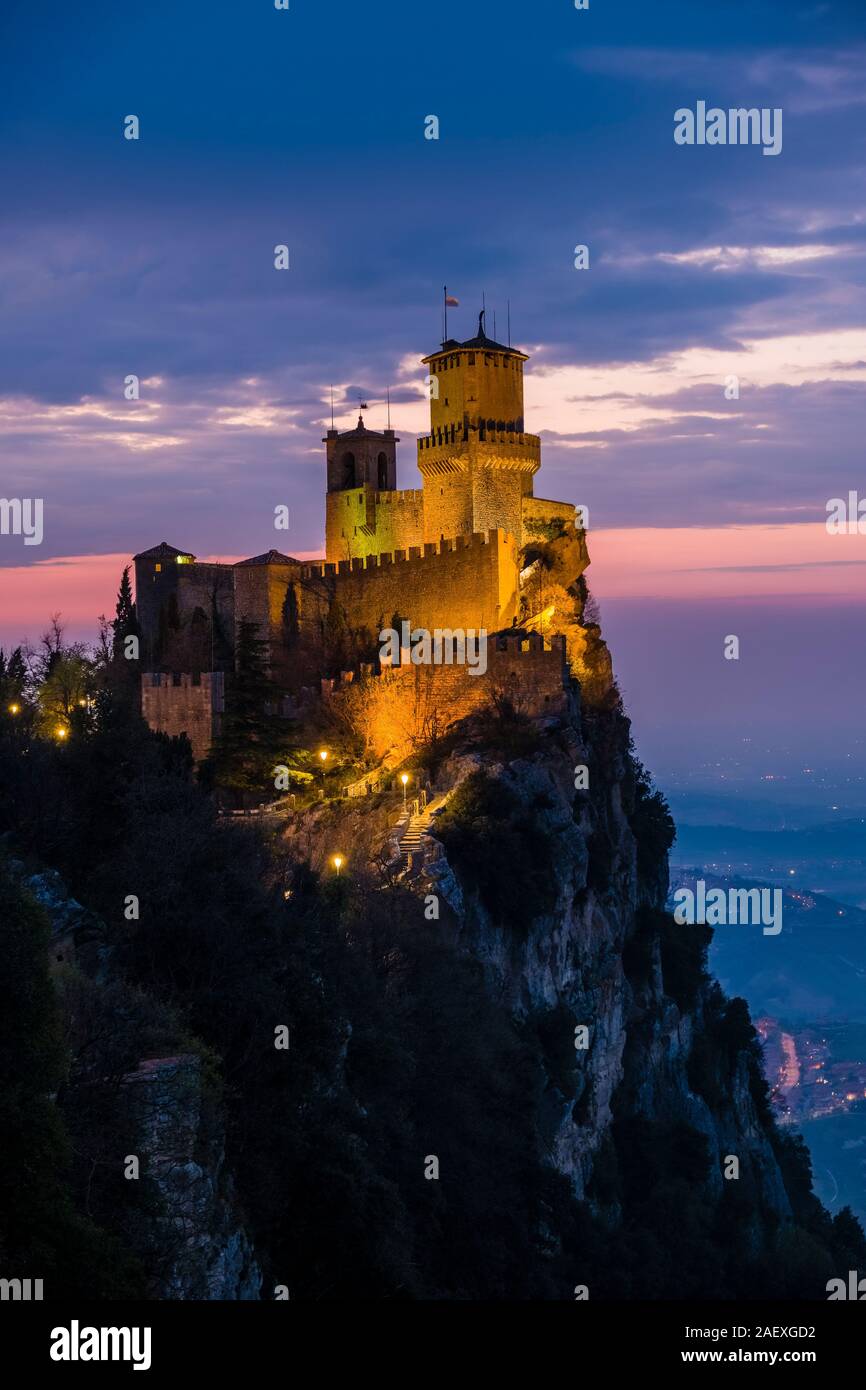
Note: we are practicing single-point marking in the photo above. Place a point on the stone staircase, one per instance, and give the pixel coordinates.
(418, 824)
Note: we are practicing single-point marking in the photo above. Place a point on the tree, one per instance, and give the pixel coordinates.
(13, 682)
(252, 739)
(41, 1237)
(289, 618)
(125, 623)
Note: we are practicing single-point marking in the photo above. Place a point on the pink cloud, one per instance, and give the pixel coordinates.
(785, 562)
(79, 587)
(797, 560)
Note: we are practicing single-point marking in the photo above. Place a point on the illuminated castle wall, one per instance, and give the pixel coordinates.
(477, 463)
(448, 554)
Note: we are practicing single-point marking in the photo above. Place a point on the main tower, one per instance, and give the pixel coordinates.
(477, 462)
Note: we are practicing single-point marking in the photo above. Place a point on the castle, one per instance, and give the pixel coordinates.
(455, 553)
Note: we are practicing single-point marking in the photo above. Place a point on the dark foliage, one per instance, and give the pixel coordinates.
(499, 846)
(398, 1053)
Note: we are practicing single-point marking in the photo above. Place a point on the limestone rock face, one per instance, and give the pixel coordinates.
(195, 1239)
(577, 955)
(206, 1251)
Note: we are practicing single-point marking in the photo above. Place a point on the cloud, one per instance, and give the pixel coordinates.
(744, 257)
(825, 79)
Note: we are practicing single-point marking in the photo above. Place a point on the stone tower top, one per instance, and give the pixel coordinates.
(361, 458)
(476, 409)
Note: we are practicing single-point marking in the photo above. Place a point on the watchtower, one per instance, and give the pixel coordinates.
(477, 462)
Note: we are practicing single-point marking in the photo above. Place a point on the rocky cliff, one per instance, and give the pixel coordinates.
(574, 934)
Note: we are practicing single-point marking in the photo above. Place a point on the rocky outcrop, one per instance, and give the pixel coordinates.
(205, 1252)
(188, 1234)
(590, 951)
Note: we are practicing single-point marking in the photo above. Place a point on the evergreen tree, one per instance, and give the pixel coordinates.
(13, 677)
(335, 636)
(252, 740)
(289, 617)
(125, 623)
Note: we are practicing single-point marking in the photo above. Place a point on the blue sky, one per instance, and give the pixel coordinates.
(306, 127)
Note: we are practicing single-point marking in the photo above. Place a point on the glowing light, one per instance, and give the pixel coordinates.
(324, 755)
(404, 778)
(14, 709)
(337, 861)
(61, 732)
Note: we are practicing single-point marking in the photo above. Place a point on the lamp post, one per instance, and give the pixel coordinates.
(14, 708)
(337, 861)
(323, 758)
(404, 778)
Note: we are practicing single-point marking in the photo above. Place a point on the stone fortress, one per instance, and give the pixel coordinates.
(472, 548)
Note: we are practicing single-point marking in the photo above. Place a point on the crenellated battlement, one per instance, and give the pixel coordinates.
(183, 680)
(412, 555)
(445, 556)
(407, 496)
(497, 433)
(183, 702)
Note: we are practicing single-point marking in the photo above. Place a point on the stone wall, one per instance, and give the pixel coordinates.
(538, 514)
(182, 609)
(532, 674)
(408, 705)
(470, 581)
(362, 521)
(182, 704)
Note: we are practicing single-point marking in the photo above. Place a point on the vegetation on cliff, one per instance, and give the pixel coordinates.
(399, 1050)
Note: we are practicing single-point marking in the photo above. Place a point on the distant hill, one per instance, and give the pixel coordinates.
(813, 971)
(829, 857)
(847, 837)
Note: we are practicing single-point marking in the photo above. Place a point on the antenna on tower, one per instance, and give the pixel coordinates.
(388, 397)
(494, 325)
(332, 405)
(508, 302)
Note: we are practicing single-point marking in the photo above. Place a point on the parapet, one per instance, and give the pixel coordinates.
(414, 555)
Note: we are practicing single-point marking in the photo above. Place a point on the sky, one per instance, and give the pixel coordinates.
(306, 127)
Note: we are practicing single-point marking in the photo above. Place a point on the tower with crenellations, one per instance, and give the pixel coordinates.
(477, 462)
(473, 547)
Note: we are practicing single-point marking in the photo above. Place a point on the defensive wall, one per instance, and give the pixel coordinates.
(179, 703)
(467, 581)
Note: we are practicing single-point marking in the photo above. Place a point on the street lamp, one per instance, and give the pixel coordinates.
(14, 709)
(323, 757)
(404, 778)
(337, 861)
(61, 732)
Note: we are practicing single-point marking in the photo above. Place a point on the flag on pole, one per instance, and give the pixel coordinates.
(451, 302)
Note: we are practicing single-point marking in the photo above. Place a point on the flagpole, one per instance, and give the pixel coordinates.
(445, 313)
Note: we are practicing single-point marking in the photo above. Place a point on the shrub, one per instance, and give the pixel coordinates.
(500, 849)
